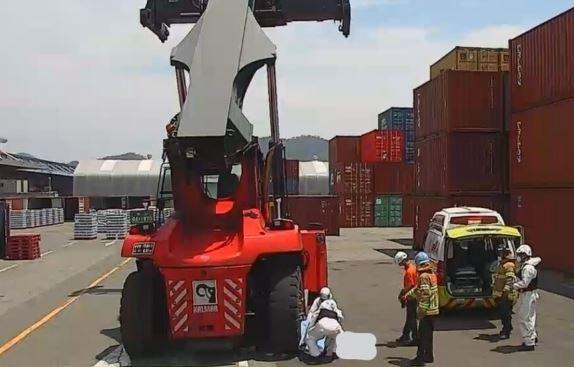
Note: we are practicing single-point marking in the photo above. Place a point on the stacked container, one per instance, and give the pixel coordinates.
(459, 124)
(472, 59)
(352, 181)
(397, 118)
(541, 136)
(401, 119)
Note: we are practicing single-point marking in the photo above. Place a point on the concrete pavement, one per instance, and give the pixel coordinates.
(362, 275)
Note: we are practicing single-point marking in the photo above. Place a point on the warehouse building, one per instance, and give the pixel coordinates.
(32, 183)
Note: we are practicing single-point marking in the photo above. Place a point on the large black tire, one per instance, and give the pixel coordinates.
(286, 307)
(137, 315)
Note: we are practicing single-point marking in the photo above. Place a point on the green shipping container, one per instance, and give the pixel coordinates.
(388, 211)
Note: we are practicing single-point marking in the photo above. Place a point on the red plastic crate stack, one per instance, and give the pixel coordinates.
(23, 247)
(541, 135)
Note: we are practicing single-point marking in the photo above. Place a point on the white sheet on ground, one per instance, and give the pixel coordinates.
(356, 346)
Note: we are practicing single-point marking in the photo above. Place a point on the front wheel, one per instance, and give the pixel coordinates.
(286, 308)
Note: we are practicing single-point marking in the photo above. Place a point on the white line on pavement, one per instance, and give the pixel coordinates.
(110, 243)
(46, 253)
(9, 267)
(70, 244)
(117, 358)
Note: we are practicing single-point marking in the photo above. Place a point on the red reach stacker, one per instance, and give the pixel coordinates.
(228, 266)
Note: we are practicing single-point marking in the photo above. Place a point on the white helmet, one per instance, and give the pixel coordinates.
(329, 304)
(400, 257)
(525, 250)
(325, 293)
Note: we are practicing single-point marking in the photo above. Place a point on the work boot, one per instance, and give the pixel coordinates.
(429, 358)
(503, 335)
(402, 339)
(412, 343)
(418, 361)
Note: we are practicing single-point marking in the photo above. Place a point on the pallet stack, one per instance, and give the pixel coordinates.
(459, 123)
(23, 247)
(85, 226)
(19, 219)
(101, 218)
(541, 136)
(117, 224)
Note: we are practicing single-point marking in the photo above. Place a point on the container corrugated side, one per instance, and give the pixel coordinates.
(352, 178)
(542, 62)
(546, 216)
(308, 210)
(356, 211)
(344, 149)
(542, 146)
(460, 101)
(382, 146)
(459, 162)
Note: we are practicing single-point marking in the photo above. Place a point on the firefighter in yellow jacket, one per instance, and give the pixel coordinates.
(504, 292)
(426, 294)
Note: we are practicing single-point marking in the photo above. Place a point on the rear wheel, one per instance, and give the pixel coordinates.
(137, 322)
(286, 307)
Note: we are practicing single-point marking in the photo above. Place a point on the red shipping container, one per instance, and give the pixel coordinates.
(344, 149)
(546, 217)
(408, 211)
(308, 210)
(542, 63)
(382, 146)
(459, 162)
(352, 178)
(426, 206)
(541, 146)
(460, 101)
(356, 211)
(393, 178)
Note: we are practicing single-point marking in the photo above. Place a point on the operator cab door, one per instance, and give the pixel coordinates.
(434, 239)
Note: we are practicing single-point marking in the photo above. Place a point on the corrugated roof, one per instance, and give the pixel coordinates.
(35, 165)
(116, 178)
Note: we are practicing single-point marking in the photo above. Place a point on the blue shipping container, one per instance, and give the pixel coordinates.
(401, 118)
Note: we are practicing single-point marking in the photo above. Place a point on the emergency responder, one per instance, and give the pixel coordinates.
(527, 286)
(426, 294)
(327, 325)
(504, 292)
(409, 336)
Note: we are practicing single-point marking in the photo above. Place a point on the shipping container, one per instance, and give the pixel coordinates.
(546, 217)
(472, 59)
(356, 211)
(388, 211)
(382, 146)
(408, 211)
(426, 206)
(352, 178)
(542, 69)
(541, 146)
(460, 101)
(307, 211)
(292, 176)
(393, 178)
(458, 162)
(401, 118)
(344, 149)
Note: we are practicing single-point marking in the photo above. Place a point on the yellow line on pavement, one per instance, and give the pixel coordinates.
(9, 267)
(18, 338)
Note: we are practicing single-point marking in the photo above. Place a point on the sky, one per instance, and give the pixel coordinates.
(82, 79)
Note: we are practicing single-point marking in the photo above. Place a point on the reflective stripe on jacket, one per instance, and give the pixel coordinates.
(426, 292)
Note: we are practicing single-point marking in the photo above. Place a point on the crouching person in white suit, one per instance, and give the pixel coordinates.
(326, 324)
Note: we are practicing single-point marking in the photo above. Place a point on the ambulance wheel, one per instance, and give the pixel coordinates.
(136, 316)
(286, 308)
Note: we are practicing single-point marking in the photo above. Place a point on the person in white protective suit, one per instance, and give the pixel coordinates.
(527, 286)
(326, 325)
(324, 295)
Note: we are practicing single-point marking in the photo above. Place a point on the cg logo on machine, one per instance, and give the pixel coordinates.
(205, 296)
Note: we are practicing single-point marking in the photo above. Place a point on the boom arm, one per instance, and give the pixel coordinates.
(159, 15)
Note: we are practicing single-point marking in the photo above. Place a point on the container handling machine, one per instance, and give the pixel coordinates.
(228, 267)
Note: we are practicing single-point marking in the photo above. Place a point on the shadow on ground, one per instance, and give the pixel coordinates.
(557, 283)
(466, 320)
(399, 361)
(507, 349)
(392, 252)
(97, 290)
(404, 241)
